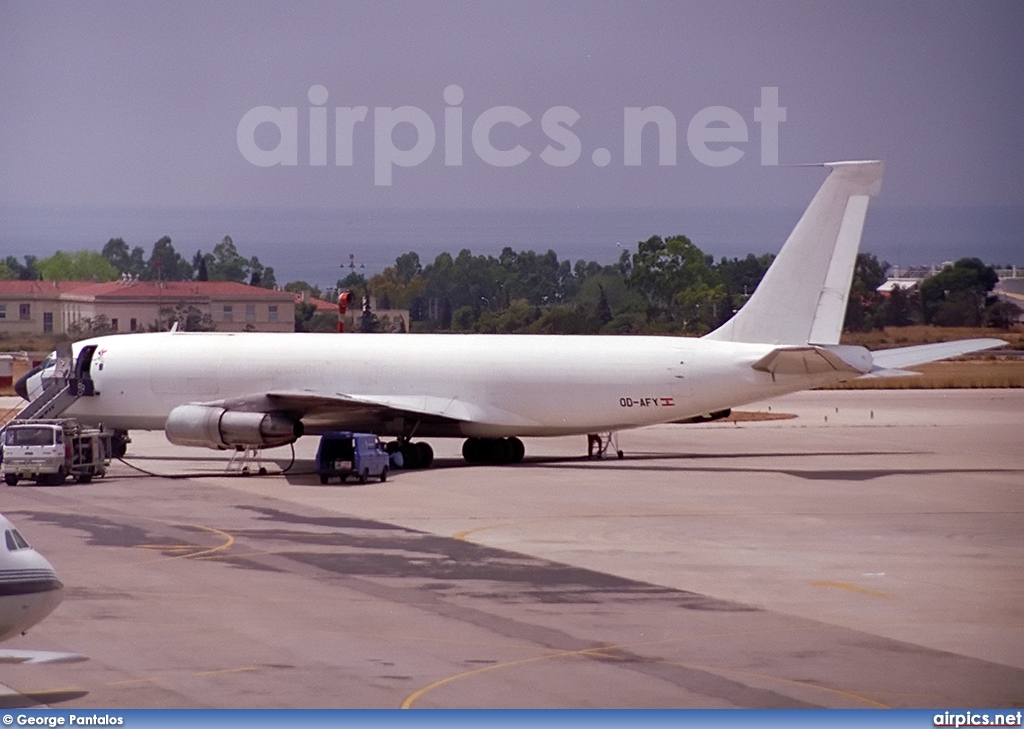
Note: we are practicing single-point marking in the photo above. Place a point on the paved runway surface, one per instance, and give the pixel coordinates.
(868, 553)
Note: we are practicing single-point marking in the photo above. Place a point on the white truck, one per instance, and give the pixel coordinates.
(48, 451)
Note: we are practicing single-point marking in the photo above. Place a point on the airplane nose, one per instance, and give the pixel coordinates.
(21, 386)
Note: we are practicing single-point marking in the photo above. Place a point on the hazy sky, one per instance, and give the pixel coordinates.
(139, 104)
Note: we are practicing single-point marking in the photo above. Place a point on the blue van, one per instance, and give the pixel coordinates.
(345, 454)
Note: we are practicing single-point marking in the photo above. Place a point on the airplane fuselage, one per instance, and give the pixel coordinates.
(531, 385)
(259, 390)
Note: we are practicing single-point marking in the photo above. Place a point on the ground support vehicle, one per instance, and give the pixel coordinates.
(343, 454)
(49, 451)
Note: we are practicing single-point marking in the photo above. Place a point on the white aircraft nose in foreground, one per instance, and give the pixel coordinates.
(29, 591)
(252, 390)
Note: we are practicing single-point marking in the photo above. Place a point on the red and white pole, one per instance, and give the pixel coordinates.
(344, 298)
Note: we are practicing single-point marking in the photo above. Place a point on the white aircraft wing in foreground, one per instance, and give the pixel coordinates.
(252, 390)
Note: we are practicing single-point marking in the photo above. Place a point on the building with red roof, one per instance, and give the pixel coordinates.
(54, 307)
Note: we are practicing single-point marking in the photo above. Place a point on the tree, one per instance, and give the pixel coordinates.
(392, 285)
(537, 278)
(304, 312)
(77, 266)
(368, 321)
(227, 264)
(901, 307)
(188, 317)
(199, 263)
(24, 272)
(97, 326)
(166, 264)
(1002, 314)
(741, 276)
(408, 265)
(131, 262)
(662, 270)
(958, 294)
(445, 320)
(603, 313)
(299, 287)
(699, 307)
(260, 275)
(256, 272)
(864, 310)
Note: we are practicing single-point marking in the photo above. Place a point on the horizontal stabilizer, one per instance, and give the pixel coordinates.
(923, 353)
(875, 374)
(815, 360)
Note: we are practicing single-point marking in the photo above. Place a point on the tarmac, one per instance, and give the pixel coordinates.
(867, 553)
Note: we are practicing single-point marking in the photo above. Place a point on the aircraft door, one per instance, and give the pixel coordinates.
(82, 377)
(680, 374)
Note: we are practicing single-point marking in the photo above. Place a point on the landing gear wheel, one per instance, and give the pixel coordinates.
(410, 456)
(119, 443)
(426, 454)
(471, 450)
(493, 450)
(518, 450)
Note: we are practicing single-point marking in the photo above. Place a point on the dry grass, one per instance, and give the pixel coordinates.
(754, 416)
(908, 336)
(960, 374)
(985, 369)
(27, 343)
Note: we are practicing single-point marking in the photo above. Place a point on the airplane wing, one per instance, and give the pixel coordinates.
(339, 411)
(16, 656)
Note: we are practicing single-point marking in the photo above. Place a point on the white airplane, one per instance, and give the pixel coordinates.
(253, 390)
(29, 591)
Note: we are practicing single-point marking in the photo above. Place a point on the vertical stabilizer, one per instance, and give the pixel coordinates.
(802, 297)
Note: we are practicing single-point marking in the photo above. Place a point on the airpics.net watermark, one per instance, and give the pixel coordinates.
(711, 134)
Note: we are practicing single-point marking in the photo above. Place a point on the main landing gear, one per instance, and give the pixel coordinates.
(474, 450)
(414, 455)
(493, 450)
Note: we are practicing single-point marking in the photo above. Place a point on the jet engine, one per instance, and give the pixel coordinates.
(215, 427)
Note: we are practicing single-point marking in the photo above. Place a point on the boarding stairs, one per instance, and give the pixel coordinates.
(59, 393)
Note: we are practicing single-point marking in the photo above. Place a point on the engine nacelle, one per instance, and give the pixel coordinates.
(214, 427)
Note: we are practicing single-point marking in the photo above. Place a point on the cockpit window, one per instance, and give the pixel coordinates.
(14, 540)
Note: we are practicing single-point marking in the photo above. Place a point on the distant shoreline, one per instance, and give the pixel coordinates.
(314, 245)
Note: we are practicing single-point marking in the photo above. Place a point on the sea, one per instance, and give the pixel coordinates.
(321, 246)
